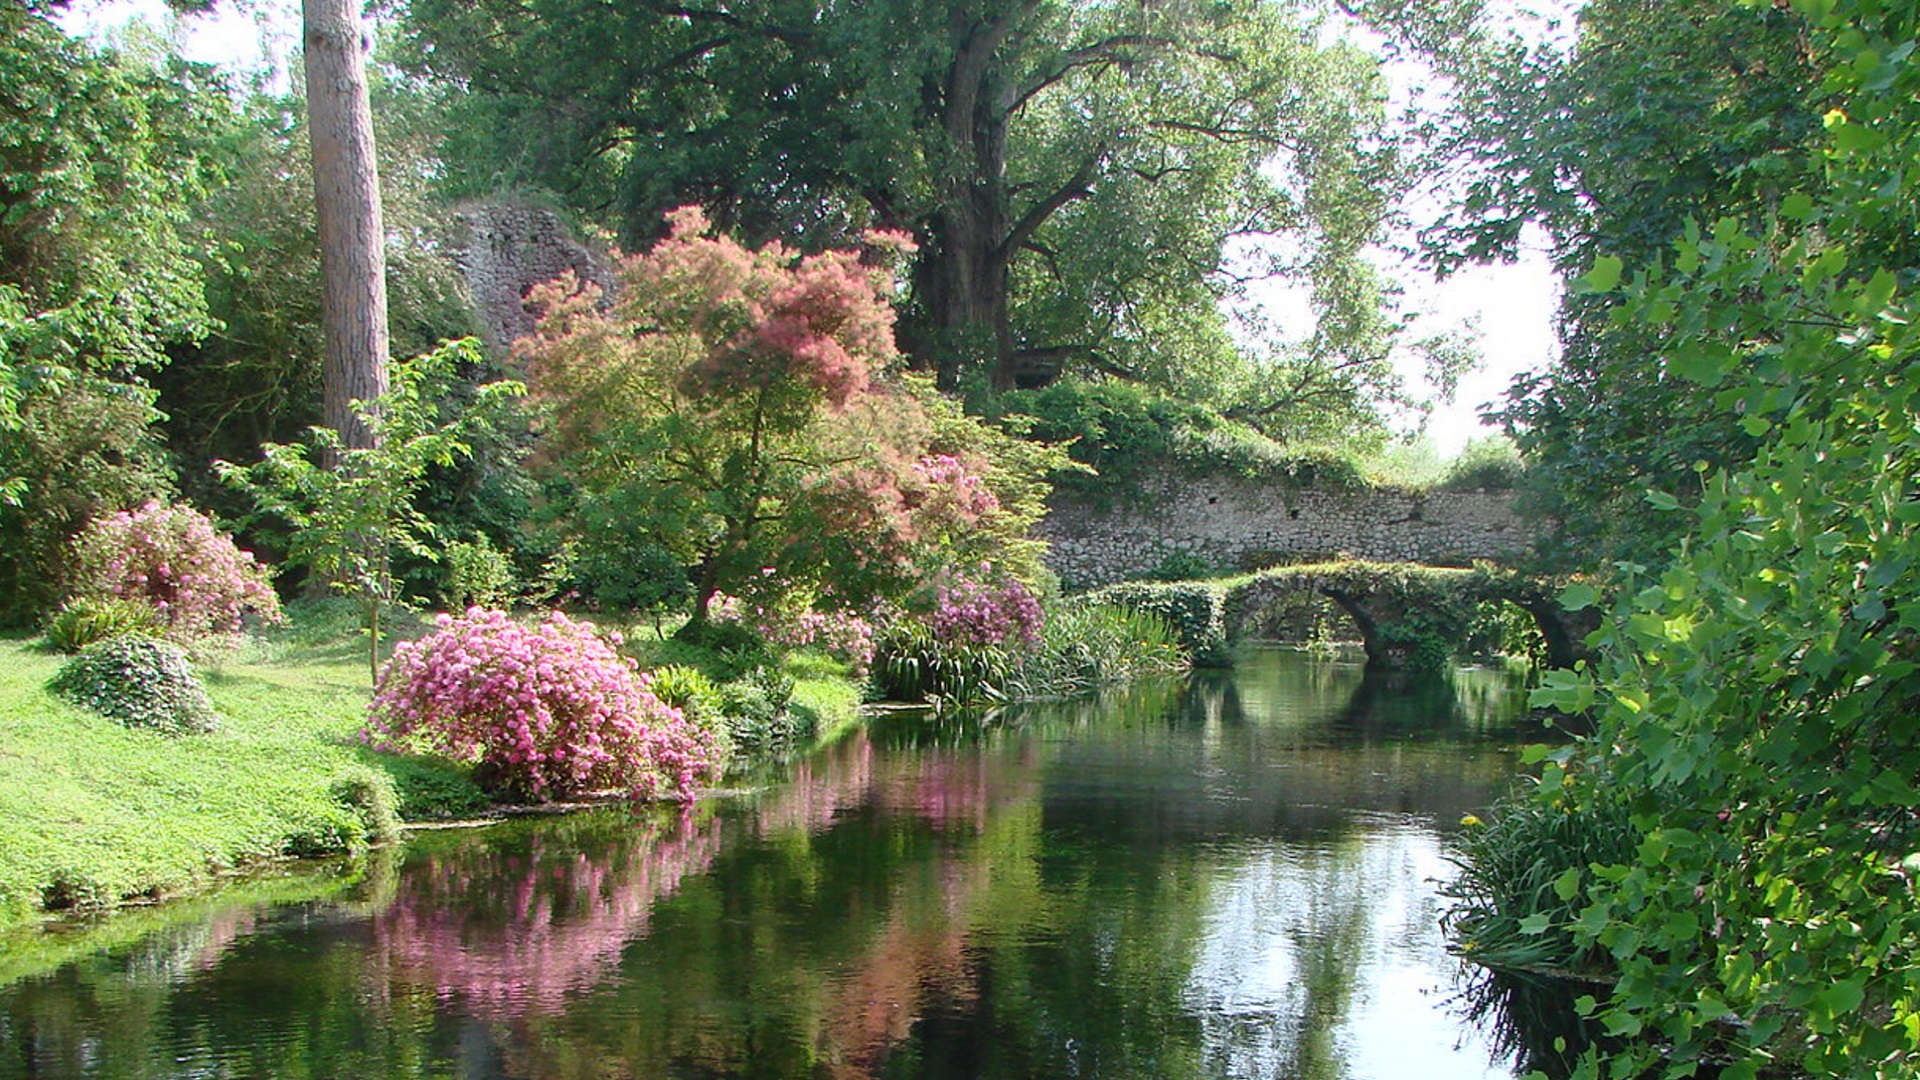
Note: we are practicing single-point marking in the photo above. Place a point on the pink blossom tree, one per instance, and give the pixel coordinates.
(743, 409)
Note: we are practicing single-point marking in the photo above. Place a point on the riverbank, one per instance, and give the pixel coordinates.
(97, 815)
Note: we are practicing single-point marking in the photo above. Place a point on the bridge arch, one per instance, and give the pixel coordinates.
(1408, 615)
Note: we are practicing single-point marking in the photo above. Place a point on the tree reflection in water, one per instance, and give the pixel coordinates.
(1228, 877)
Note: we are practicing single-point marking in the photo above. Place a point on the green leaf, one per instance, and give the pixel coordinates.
(1567, 885)
(1797, 206)
(1535, 925)
(1603, 277)
(1579, 596)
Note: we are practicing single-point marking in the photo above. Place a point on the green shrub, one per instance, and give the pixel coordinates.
(1196, 610)
(140, 681)
(477, 574)
(687, 688)
(1484, 465)
(1179, 565)
(365, 811)
(429, 788)
(1519, 891)
(83, 621)
(759, 711)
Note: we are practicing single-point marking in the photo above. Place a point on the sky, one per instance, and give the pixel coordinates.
(1512, 306)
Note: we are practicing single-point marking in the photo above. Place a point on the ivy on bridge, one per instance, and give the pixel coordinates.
(1408, 615)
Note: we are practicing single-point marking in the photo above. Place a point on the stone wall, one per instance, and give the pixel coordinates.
(1237, 524)
(506, 248)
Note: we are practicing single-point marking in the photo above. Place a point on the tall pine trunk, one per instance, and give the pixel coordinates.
(346, 191)
(346, 187)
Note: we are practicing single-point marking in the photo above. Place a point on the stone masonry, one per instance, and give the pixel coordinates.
(1236, 524)
(504, 249)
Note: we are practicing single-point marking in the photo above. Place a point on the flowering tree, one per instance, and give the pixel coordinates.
(173, 558)
(740, 409)
(548, 710)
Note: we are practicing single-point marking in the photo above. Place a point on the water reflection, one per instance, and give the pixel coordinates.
(1230, 877)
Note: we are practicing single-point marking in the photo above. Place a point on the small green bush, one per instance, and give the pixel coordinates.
(687, 688)
(431, 788)
(1179, 565)
(1484, 465)
(84, 621)
(140, 681)
(759, 711)
(478, 574)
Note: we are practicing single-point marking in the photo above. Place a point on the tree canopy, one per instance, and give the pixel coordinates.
(1086, 181)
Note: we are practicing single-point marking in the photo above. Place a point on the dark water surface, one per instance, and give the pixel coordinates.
(1232, 877)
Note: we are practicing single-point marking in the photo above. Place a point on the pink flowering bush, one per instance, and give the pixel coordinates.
(174, 559)
(547, 711)
(840, 634)
(968, 611)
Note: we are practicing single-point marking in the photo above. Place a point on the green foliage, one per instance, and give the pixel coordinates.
(83, 621)
(1754, 707)
(1697, 110)
(1076, 181)
(1195, 610)
(352, 508)
(1086, 647)
(255, 376)
(912, 664)
(102, 151)
(1490, 464)
(687, 688)
(80, 446)
(429, 788)
(1124, 434)
(363, 811)
(759, 712)
(1522, 874)
(477, 574)
(142, 682)
(1179, 565)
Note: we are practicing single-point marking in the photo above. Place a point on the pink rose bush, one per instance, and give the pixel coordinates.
(174, 559)
(546, 711)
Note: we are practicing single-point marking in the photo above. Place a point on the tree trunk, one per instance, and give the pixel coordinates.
(346, 190)
(962, 276)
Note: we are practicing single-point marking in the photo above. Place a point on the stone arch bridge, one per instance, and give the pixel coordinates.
(1408, 615)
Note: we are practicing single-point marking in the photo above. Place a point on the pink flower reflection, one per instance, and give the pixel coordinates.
(514, 933)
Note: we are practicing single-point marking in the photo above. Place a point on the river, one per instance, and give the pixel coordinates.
(1229, 876)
